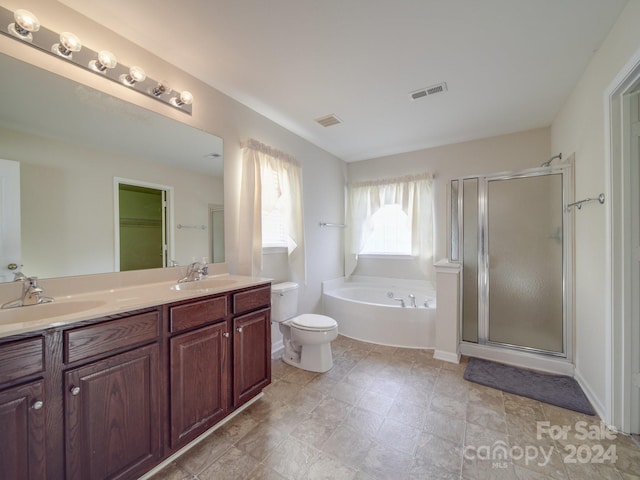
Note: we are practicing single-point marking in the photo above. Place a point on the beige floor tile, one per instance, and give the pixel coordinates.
(233, 465)
(314, 432)
(204, 453)
(448, 428)
(260, 441)
(348, 446)
(391, 413)
(173, 472)
(398, 436)
(486, 417)
(441, 453)
(364, 421)
(408, 413)
(325, 467)
(376, 403)
(382, 462)
(292, 458)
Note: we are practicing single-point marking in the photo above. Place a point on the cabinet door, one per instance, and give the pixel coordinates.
(112, 418)
(22, 454)
(199, 381)
(251, 355)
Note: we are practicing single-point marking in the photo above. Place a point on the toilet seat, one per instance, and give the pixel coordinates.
(313, 323)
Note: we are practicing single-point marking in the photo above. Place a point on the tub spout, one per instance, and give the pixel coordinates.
(401, 300)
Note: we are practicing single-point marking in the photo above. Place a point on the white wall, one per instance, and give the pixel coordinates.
(515, 151)
(214, 112)
(580, 127)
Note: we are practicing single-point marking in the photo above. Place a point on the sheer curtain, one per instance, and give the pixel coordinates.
(257, 158)
(415, 195)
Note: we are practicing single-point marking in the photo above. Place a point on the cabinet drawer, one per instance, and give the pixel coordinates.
(22, 358)
(87, 342)
(195, 314)
(251, 299)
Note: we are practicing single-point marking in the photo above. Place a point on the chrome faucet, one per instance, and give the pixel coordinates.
(31, 293)
(412, 300)
(195, 271)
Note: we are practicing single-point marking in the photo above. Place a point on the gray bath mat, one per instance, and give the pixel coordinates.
(559, 390)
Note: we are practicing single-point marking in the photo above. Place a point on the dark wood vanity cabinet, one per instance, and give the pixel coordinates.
(22, 410)
(127, 391)
(112, 415)
(198, 368)
(251, 343)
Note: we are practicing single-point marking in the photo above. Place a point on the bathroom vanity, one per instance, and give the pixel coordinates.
(113, 391)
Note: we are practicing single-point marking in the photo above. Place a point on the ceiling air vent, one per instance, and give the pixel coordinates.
(428, 91)
(328, 120)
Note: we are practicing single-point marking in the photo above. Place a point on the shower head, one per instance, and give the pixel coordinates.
(548, 162)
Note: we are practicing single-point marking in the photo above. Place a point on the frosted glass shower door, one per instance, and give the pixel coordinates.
(524, 258)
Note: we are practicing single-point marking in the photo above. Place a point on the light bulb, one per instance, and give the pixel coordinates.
(105, 60)
(25, 23)
(69, 43)
(135, 75)
(185, 98)
(161, 88)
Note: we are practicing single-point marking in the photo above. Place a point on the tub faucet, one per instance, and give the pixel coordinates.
(31, 294)
(412, 300)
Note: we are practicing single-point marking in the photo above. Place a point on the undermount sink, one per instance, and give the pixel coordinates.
(46, 310)
(206, 284)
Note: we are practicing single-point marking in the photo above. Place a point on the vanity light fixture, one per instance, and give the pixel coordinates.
(161, 88)
(105, 60)
(21, 25)
(68, 45)
(24, 23)
(185, 98)
(135, 75)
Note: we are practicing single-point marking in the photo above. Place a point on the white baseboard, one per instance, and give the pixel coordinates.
(277, 349)
(451, 357)
(588, 391)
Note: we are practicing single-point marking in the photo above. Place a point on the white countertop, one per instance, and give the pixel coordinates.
(68, 309)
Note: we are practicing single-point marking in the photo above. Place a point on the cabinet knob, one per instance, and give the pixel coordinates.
(225, 334)
(37, 405)
(239, 329)
(75, 391)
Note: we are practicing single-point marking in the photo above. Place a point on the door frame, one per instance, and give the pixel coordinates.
(621, 324)
(169, 216)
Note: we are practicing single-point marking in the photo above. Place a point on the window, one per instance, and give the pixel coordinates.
(391, 217)
(391, 232)
(271, 206)
(273, 210)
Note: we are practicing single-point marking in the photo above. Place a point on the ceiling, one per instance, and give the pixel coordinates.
(508, 65)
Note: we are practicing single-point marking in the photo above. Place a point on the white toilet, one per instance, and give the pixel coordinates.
(307, 337)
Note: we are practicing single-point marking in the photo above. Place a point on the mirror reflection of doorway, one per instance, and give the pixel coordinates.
(142, 238)
(216, 227)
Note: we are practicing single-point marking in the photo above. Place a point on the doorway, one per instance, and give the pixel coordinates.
(513, 240)
(142, 225)
(623, 158)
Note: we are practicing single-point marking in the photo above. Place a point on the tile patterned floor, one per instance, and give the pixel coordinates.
(392, 413)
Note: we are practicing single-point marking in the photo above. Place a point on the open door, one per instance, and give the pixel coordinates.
(142, 225)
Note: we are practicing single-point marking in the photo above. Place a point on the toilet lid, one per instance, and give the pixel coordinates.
(311, 321)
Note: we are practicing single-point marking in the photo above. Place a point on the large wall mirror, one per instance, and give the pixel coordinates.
(75, 146)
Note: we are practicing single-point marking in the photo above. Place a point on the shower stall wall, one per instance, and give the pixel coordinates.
(512, 234)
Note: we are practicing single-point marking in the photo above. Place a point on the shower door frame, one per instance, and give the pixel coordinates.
(456, 254)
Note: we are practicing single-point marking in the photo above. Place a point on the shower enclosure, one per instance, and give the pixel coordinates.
(512, 235)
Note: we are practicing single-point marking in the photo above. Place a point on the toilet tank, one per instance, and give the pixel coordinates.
(284, 301)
